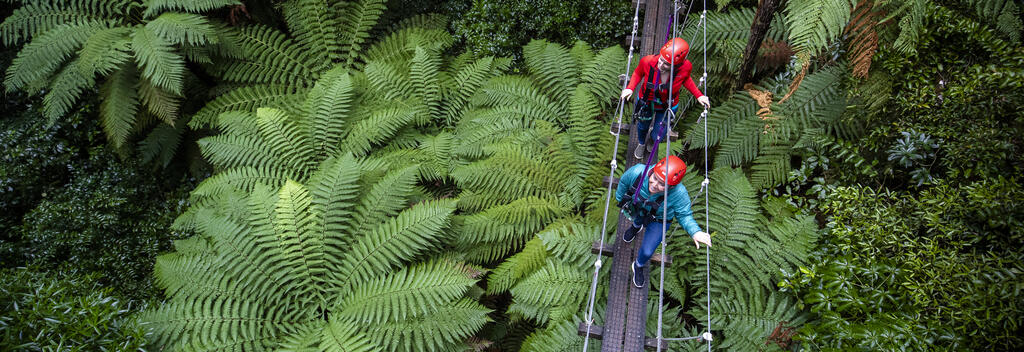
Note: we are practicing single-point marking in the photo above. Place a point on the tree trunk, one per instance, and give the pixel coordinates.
(758, 30)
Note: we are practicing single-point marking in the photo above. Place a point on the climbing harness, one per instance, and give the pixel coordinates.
(632, 207)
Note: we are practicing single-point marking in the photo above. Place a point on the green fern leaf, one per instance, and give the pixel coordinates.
(357, 19)
(159, 62)
(401, 237)
(328, 102)
(183, 28)
(41, 57)
(120, 104)
(154, 7)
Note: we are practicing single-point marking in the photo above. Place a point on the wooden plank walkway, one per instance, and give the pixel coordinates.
(626, 314)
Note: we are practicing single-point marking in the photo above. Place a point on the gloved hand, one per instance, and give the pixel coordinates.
(701, 237)
(703, 100)
(626, 93)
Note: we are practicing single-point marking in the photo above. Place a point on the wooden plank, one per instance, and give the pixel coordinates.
(595, 330)
(655, 259)
(618, 291)
(656, 24)
(596, 333)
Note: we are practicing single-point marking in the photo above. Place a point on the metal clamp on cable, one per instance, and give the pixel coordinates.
(707, 336)
(615, 164)
(597, 264)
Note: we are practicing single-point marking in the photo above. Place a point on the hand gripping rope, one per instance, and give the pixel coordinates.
(604, 224)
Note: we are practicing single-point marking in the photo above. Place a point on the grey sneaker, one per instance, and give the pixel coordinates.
(639, 152)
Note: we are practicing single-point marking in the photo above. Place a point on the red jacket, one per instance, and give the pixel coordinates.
(649, 65)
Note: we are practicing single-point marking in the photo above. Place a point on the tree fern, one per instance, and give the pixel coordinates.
(815, 24)
(110, 41)
(293, 271)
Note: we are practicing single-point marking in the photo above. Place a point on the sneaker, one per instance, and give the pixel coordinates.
(639, 152)
(630, 233)
(638, 276)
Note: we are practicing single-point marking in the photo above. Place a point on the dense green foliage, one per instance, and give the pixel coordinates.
(502, 27)
(919, 270)
(380, 183)
(64, 311)
(72, 203)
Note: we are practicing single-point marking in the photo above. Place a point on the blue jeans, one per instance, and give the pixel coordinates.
(642, 127)
(652, 238)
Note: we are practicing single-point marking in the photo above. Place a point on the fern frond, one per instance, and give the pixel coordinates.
(557, 337)
(328, 105)
(397, 46)
(394, 242)
(448, 325)
(389, 80)
(159, 62)
(160, 103)
(105, 51)
(219, 329)
(161, 144)
(270, 57)
(423, 72)
(183, 28)
(380, 125)
(772, 164)
(356, 20)
(33, 18)
(249, 98)
(554, 286)
(67, 86)
(506, 225)
(815, 24)
(334, 187)
(508, 273)
(154, 7)
(120, 104)
(41, 57)
(338, 335)
(601, 73)
(314, 28)
(385, 197)
(301, 245)
(548, 68)
(423, 288)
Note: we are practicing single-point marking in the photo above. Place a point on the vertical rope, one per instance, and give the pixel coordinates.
(607, 201)
(707, 195)
(669, 116)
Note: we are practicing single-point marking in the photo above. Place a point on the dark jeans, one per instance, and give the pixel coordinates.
(643, 126)
(652, 238)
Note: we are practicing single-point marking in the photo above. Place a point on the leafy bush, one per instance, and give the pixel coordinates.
(898, 272)
(69, 201)
(503, 27)
(63, 312)
(110, 218)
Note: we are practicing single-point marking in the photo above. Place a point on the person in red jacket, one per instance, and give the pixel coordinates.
(652, 96)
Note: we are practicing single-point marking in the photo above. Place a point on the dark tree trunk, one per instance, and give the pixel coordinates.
(758, 30)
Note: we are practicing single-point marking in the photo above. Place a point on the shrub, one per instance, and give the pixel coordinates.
(895, 271)
(63, 312)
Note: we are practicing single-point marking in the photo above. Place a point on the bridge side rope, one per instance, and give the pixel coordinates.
(706, 336)
(611, 174)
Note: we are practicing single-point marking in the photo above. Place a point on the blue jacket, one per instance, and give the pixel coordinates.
(678, 198)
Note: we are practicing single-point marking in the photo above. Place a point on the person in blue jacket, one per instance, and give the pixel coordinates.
(645, 209)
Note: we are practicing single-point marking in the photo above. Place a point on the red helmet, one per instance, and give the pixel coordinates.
(676, 169)
(675, 49)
